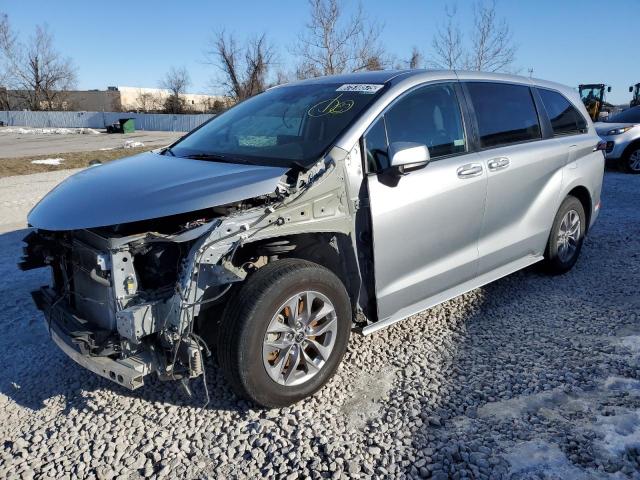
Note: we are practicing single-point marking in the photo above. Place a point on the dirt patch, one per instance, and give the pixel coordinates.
(368, 395)
(24, 166)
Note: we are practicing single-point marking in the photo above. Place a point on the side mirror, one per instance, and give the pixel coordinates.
(407, 156)
(609, 89)
(630, 89)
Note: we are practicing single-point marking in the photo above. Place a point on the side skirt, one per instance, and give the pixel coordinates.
(454, 292)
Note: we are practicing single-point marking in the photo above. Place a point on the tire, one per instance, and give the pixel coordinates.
(630, 161)
(251, 365)
(557, 258)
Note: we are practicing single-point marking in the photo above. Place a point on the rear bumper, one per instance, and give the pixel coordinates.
(69, 333)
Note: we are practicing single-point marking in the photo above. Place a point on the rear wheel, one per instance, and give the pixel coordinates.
(631, 160)
(567, 235)
(285, 332)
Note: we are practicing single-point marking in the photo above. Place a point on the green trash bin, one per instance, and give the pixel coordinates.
(128, 125)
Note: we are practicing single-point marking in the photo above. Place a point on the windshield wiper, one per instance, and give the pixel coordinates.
(216, 157)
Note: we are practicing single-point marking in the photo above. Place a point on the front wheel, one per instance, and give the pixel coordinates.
(567, 235)
(285, 332)
(631, 160)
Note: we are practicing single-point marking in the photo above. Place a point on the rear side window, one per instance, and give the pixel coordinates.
(505, 113)
(565, 118)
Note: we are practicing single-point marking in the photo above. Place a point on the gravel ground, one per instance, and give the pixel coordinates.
(529, 377)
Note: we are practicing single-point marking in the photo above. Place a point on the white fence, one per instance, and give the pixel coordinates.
(144, 121)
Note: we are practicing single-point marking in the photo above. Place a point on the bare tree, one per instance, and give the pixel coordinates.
(447, 43)
(176, 81)
(416, 60)
(6, 39)
(148, 101)
(282, 77)
(244, 68)
(333, 43)
(213, 105)
(37, 74)
(492, 47)
(7, 44)
(373, 63)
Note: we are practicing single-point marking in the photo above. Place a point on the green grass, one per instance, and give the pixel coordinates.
(23, 165)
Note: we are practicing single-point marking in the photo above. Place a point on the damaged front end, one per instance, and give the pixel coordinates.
(122, 301)
(125, 300)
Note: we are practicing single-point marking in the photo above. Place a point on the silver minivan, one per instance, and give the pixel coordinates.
(326, 206)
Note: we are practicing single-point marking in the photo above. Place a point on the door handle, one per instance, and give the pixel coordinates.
(498, 163)
(469, 170)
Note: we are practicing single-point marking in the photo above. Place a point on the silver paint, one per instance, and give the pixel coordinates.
(443, 229)
(148, 186)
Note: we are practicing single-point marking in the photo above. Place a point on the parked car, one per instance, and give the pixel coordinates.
(318, 207)
(621, 133)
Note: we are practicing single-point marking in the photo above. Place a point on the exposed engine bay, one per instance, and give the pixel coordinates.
(130, 299)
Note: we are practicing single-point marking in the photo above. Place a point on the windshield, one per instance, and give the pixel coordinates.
(630, 115)
(589, 95)
(285, 126)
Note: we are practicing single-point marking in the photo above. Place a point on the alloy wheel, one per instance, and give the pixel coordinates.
(300, 338)
(568, 235)
(634, 161)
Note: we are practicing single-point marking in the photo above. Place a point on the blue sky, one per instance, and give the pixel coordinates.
(134, 43)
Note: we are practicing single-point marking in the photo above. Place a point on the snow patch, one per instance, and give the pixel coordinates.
(632, 342)
(620, 432)
(50, 131)
(515, 407)
(133, 144)
(538, 456)
(48, 161)
(623, 384)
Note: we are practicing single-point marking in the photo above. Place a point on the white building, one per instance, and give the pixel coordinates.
(150, 99)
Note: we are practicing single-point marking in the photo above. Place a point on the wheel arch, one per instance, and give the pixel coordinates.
(633, 144)
(582, 194)
(332, 250)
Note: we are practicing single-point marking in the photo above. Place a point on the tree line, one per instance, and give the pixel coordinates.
(333, 41)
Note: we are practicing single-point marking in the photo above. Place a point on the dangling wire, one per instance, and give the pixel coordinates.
(200, 341)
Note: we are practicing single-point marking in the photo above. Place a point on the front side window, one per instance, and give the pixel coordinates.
(505, 113)
(286, 126)
(431, 116)
(565, 118)
(376, 145)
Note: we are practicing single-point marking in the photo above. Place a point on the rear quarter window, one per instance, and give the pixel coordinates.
(505, 113)
(565, 118)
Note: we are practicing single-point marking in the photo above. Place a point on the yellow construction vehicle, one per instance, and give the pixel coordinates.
(635, 100)
(592, 95)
